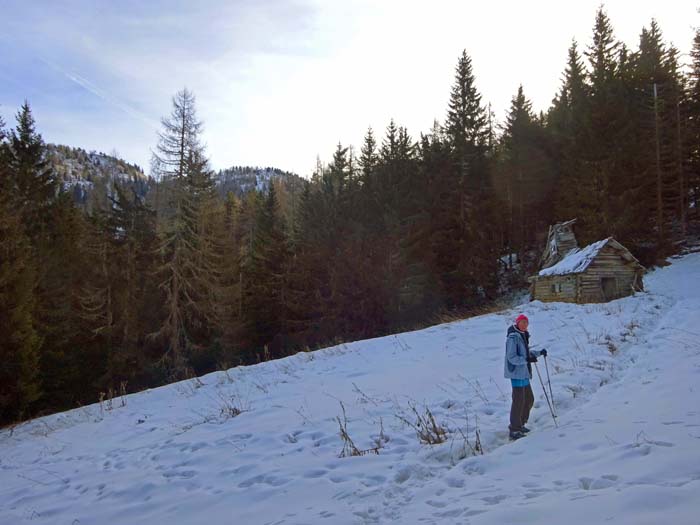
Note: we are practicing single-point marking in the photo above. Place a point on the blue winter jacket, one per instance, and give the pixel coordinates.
(517, 350)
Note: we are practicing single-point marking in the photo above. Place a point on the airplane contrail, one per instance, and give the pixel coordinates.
(100, 93)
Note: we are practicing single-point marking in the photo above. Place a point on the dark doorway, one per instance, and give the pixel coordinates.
(609, 285)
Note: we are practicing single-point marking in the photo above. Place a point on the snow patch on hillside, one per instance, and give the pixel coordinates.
(261, 444)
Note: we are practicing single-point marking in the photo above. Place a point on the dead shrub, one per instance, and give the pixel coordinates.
(427, 429)
(349, 447)
(231, 406)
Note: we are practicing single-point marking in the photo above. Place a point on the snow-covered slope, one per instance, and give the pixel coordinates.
(83, 173)
(92, 174)
(244, 179)
(626, 383)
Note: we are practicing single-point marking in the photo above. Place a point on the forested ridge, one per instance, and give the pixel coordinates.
(145, 288)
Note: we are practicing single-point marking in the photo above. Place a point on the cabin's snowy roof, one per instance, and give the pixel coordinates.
(576, 261)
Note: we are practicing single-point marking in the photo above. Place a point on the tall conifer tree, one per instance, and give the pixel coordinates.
(34, 184)
(693, 127)
(187, 270)
(20, 342)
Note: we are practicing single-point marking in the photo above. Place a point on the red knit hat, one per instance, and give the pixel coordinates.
(521, 317)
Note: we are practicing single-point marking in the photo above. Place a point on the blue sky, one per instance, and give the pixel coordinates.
(280, 82)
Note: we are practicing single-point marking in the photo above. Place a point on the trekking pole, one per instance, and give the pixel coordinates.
(551, 395)
(551, 411)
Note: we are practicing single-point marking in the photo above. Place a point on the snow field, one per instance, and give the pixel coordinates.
(625, 377)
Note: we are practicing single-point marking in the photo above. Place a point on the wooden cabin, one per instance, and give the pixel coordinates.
(600, 272)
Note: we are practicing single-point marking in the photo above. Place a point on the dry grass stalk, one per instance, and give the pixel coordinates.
(425, 426)
(349, 447)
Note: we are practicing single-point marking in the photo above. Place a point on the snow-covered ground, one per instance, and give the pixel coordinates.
(626, 383)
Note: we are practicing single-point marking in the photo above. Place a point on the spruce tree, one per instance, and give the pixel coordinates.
(467, 122)
(693, 127)
(471, 238)
(265, 280)
(567, 124)
(96, 295)
(68, 360)
(307, 273)
(20, 342)
(204, 212)
(650, 193)
(6, 180)
(368, 157)
(603, 134)
(388, 176)
(525, 176)
(419, 293)
(34, 185)
(230, 304)
(123, 293)
(602, 55)
(54, 229)
(678, 147)
(609, 144)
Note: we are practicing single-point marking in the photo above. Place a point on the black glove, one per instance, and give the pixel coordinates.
(544, 352)
(531, 359)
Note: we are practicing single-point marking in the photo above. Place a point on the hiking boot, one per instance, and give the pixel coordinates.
(516, 434)
(524, 430)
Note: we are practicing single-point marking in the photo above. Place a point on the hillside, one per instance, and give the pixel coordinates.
(261, 445)
(243, 179)
(91, 174)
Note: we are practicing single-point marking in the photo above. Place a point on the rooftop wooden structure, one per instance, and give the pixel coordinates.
(600, 272)
(560, 241)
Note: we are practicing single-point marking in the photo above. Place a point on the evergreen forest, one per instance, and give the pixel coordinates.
(407, 229)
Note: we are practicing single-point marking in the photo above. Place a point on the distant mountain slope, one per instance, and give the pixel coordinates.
(242, 179)
(91, 174)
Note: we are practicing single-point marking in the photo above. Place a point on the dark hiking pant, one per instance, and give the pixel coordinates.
(523, 399)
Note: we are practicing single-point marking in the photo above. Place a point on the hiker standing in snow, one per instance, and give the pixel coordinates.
(518, 369)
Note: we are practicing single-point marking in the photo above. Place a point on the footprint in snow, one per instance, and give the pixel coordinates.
(402, 475)
(455, 483)
(316, 473)
(588, 446)
(241, 437)
(373, 481)
(243, 469)
(260, 478)
(494, 500)
(603, 482)
(183, 474)
(454, 513)
(535, 493)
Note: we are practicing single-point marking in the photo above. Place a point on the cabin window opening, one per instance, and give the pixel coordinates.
(556, 288)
